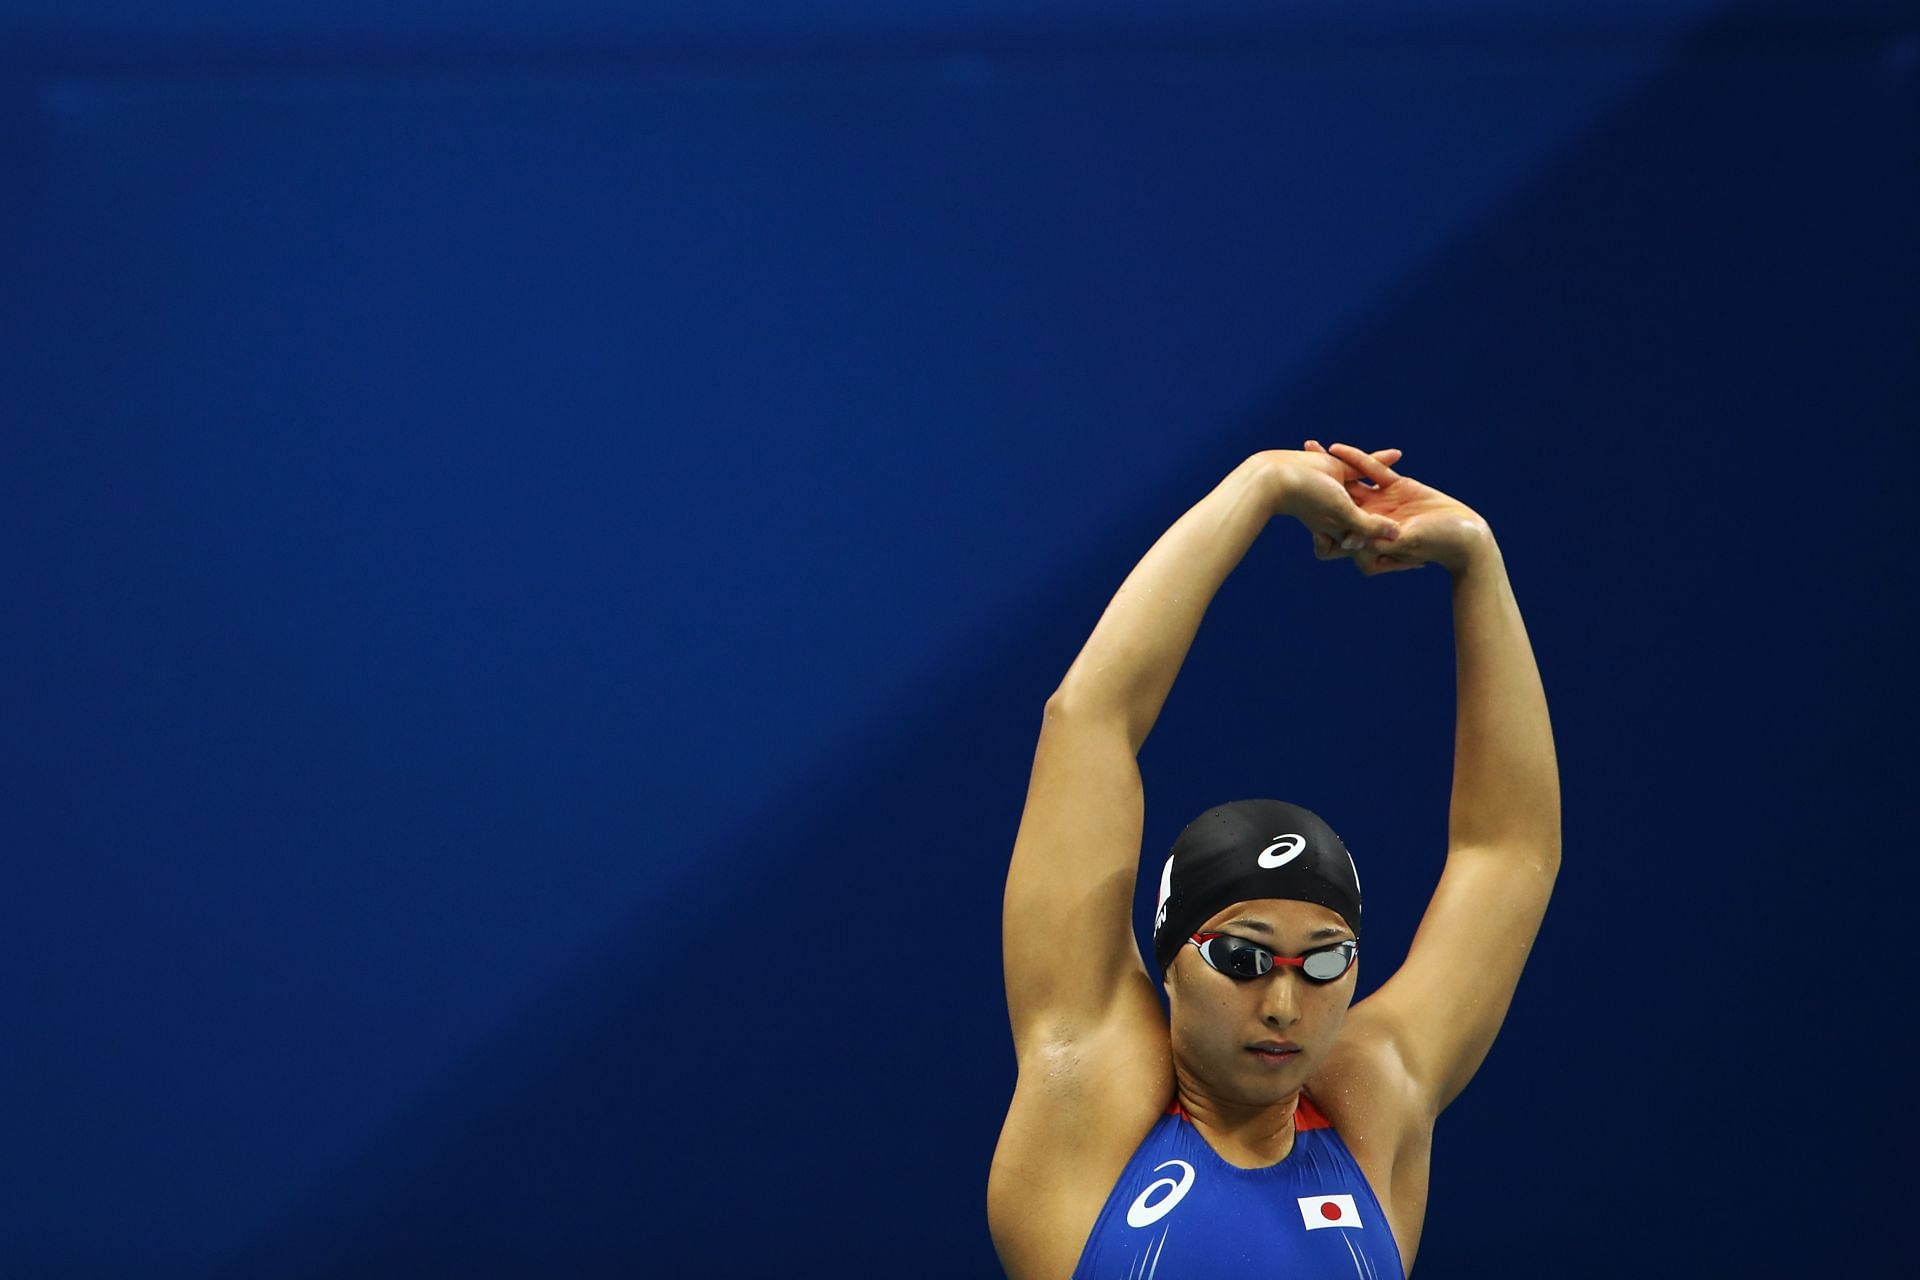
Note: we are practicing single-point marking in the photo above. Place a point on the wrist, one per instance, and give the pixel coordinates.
(1275, 479)
(1475, 547)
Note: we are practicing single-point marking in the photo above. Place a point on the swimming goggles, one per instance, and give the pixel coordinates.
(1241, 959)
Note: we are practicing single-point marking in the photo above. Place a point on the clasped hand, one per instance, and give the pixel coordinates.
(1357, 506)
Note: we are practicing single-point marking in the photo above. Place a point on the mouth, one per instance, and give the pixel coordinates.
(1275, 1051)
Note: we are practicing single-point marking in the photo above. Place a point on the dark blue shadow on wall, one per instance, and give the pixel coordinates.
(757, 1078)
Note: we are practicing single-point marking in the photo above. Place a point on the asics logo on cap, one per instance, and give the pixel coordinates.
(1166, 891)
(1294, 846)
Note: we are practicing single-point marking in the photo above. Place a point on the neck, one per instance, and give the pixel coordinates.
(1250, 1135)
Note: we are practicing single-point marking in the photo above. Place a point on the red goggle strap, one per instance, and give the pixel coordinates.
(1295, 961)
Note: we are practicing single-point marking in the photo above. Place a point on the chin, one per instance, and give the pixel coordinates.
(1288, 1076)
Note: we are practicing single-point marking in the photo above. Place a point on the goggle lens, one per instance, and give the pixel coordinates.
(1329, 963)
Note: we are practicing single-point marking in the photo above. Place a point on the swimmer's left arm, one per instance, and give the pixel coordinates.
(1444, 1006)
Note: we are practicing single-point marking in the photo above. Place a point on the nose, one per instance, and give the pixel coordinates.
(1280, 1000)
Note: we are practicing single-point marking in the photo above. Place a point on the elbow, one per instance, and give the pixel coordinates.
(1076, 704)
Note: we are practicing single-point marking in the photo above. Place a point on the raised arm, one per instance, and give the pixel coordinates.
(1442, 1009)
(1072, 964)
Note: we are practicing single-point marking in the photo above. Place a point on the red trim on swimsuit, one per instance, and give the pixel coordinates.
(1305, 1114)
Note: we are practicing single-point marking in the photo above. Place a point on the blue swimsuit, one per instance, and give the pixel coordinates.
(1182, 1211)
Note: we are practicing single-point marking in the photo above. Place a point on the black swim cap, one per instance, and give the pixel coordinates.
(1245, 850)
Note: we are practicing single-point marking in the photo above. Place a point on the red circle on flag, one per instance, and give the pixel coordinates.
(1330, 1211)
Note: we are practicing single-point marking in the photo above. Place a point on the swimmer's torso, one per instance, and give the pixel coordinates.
(1179, 1208)
(1082, 1142)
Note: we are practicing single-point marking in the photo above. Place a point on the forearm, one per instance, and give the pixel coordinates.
(1506, 782)
(1128, 665)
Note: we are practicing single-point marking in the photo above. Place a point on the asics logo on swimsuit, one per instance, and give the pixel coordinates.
(1294, 846)
(1142, 1214)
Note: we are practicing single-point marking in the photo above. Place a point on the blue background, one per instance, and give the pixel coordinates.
(535, 540)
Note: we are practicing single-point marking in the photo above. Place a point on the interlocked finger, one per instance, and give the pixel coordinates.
(1385, 457)
(1370, 562)
(1370, 465)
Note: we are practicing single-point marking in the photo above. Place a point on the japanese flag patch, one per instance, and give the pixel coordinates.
(1328, 1211)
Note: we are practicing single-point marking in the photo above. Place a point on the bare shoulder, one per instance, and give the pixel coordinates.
(1080, 1109)
(1374, 1104)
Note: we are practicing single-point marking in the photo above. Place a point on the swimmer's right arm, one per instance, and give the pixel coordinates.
(1072, 964)
(1128, 666)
